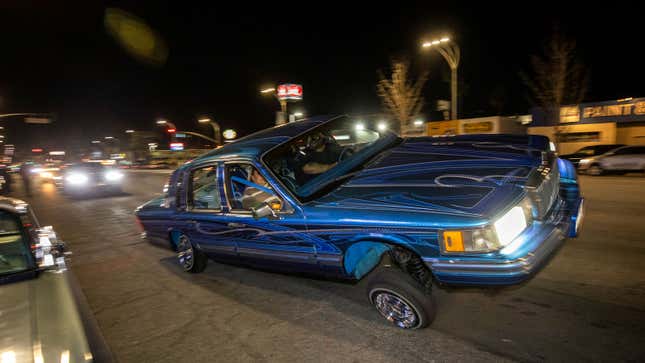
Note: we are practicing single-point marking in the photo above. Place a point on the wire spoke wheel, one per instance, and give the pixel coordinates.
(395, 309)
(185, 253)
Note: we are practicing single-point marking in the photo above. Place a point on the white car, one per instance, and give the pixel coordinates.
(624, 159)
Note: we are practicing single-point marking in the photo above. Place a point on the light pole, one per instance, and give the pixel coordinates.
(280, 119)
(216, 129)
(450, 52)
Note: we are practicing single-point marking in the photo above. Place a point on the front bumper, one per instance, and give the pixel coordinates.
(515, 263)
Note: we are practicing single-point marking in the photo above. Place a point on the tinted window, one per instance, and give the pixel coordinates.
(14, 252)
(205, 189)
(629, 150)
(93, 166)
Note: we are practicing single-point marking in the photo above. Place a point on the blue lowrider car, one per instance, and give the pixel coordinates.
(338, 197)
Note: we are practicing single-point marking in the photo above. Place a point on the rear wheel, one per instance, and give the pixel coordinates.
(400, 299)
(595, 169)
(191, 259)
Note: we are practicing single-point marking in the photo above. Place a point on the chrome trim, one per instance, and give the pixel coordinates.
(287, 256)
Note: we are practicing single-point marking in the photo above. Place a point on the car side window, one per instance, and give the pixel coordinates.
(248, 189)
(623, 151)
(204, 188)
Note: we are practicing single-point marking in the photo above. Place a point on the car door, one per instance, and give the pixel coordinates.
(279, 242)
(637, 158)
(619, 159)
(203, 216)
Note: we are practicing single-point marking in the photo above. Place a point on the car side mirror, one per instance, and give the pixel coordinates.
(269, 209)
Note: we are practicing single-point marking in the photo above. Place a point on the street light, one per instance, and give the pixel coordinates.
(280, 118)
(450, 52)
(216, 129)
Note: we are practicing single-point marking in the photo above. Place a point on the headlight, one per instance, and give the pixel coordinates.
(490, 238)
(77, 178)
(510, 225)
(113, 175)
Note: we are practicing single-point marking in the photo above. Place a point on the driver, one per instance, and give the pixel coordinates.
(323, 155)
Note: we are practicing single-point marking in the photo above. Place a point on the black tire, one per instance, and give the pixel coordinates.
(190, 258)
(596, 170)
(389, 286)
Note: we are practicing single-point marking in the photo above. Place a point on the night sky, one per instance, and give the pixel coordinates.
(60, 58)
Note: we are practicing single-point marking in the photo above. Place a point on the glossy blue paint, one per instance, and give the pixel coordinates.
(405, 196)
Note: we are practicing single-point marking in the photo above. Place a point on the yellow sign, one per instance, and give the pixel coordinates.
(569, 114)
(477, 127)
(439, 128)
(625, 109)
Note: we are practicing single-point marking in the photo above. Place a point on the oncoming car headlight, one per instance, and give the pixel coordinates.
(501, 232)
(113, 175)
(77, 178)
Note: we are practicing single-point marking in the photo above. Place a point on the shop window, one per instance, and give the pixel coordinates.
(591, 136)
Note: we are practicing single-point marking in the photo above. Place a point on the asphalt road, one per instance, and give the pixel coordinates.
(588, 304)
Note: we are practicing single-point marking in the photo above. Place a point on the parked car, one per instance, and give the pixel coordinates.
(399, 212)
(589, 151)
(621, 160)
(91, 177)
(40, 318)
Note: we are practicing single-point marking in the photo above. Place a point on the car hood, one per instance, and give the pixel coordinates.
(475, 177)
(40, 321)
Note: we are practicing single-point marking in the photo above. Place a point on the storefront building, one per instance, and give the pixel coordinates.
(479, 125)
(611, 122)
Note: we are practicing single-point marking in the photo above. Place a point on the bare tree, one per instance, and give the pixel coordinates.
(558, 78)
(401, 96)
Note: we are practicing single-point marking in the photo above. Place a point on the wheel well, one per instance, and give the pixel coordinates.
(411, 263)
(173, 238)
(363, 257)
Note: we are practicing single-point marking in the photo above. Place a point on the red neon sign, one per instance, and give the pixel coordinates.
(290, 92)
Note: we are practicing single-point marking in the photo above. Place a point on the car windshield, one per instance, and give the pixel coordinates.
(14, 252)
(87, 166)
(309, 162)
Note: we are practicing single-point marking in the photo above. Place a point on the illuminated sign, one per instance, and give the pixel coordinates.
(37, 150)
(569, 114)
(176, 146)
(56, 153)
(624, 109)
(477, 127)
(180, 135)
(290, 92)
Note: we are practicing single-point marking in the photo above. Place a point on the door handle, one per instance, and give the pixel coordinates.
(236, 225)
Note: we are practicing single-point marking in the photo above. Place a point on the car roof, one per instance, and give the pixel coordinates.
(13, 205)
(256, 144)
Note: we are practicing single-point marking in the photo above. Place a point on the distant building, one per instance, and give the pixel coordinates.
(610, 122)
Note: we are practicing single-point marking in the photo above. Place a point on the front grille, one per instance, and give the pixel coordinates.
(543, 186)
